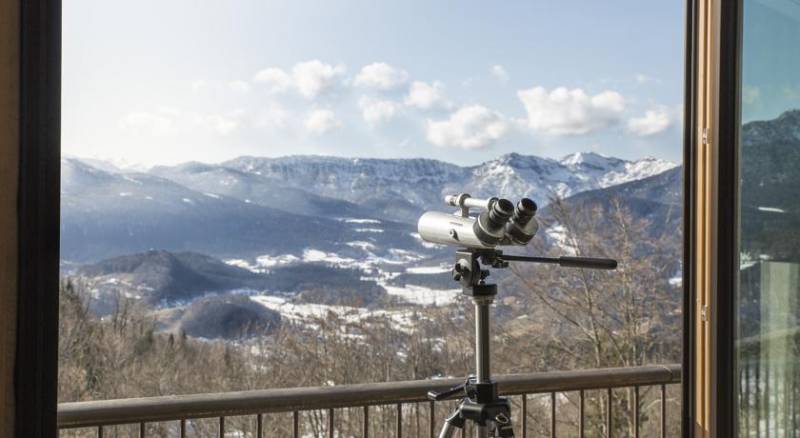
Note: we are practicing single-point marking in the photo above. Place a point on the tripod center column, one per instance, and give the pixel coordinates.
(482, 338)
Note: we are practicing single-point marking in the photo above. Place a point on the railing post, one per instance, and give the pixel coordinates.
(553, 415)
(663, 410)
(524, 415)
(330, 423)
(635, 412)
(432, 420)
(366, 422)
(399, 433)
(295, 425)
(581, 427)
(609, 414)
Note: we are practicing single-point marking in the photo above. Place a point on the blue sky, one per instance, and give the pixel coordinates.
(770, 83)
(462, 81)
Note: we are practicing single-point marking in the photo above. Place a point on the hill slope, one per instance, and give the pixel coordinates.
(105, 214)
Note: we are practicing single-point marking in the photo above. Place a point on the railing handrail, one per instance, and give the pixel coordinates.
(225, 404)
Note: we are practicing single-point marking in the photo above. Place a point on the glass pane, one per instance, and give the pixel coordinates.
(242, 183)
(769, 281)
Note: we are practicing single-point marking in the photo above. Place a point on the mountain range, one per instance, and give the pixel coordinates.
(253, 206)
(230, 250)
(399, 189)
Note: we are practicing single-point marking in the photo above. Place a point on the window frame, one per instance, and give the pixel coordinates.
(36, 362)
(38, 214)
(727, 220)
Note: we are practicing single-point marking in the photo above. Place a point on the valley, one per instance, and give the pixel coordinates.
(232, 250)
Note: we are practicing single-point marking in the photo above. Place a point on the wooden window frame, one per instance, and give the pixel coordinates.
(36, 360)
(711, 161)
(38, 212)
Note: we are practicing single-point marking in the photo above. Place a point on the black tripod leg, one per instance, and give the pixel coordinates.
(451, 424)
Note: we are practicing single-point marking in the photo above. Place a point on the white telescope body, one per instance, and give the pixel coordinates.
(497, 223)
(449, 229)
(465, 201)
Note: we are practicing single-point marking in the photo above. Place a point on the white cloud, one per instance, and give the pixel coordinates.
(471, 127)
(147, 122)
(751, 94)
(309, 78)
(320, 121)
(222, 125)
(314, 77)
(198, 84)
(499, 72)
(273, 116)
(426, 96)
(642, 78)
(652, 122)
(166, 120)
(239, 86)
(275, 78)
(570, 112)
(381, 76)
(376, 111)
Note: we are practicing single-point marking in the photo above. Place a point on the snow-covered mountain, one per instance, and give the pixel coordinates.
(515, 175)
(360, 209)
(400, 188)
(106, 214)
(305, 235)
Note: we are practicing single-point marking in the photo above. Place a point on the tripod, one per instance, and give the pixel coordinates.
(480, 402)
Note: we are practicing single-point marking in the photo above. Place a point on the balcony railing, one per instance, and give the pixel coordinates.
(599, 388)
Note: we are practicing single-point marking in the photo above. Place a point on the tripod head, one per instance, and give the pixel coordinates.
(467, 269)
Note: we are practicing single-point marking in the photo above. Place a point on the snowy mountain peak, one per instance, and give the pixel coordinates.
(399, 189)
(542, 178)
(590, 158)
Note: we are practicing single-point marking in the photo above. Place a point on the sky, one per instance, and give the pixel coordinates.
(770, 83)
(161, 82)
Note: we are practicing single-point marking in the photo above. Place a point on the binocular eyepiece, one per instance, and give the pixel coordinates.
(490, 224)
(498, 223)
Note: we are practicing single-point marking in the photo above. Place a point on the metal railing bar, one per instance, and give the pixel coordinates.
(581, 413)
(330, 423)
(99, 431)
(260, 426)
(221, 427)
(524, 416)
(552, 415)
(295, 424)
(172, 408)
(399, 432)
(366, 422)
(609, 416)
(142, 430)
(636, 412)
(663, 410)
(432, 420)
(183, 429)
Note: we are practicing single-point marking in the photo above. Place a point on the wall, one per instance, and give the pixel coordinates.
(9, 149)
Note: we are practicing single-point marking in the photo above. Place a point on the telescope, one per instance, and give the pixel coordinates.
(498, 222)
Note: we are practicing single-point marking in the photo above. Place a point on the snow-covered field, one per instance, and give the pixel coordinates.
(403, 319)
(380, 266)
(423, 296)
